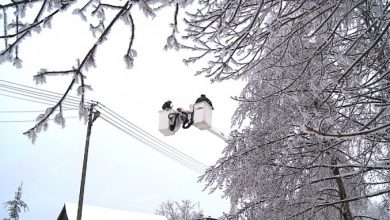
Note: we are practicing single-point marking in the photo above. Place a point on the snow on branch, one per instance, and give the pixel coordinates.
(20, 21)
(371, 131)
(377, 193)
(42, 120)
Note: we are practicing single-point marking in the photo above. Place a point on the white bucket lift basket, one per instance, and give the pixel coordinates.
(164, 125)
(202, 115)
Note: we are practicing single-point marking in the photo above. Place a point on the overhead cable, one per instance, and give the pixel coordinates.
(153, 146)
(18, 121)
(46, 97)
(32, 111)
(150, 138)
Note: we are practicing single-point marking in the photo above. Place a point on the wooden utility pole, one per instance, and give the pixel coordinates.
(92, 116)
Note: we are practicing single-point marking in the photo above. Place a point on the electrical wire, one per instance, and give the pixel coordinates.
(111, 117)
(41, 90)
(34, 98)
(165, 149)
(154, 146)
(151, 139)
(32, 111)
(17, 121)
(39, 96)
(31, 93)
(25, 99)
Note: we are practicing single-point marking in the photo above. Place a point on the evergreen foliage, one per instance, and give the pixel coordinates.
(15, 206)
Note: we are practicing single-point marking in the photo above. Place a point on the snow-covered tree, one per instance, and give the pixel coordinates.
(15, 206)
(315, 116)
(173, 210)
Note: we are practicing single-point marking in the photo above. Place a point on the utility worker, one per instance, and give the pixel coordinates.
(186, 118)
(205, 99)
(167, 105)
(182, 114)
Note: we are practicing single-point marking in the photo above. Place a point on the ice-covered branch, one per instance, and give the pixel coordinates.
(19, 2)
(377, 193)
(360, 166)
(131, 53)
(23, 33)
(348, 135)
(43, 118)
(87, 61)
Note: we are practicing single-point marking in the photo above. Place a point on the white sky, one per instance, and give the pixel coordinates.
(123, 173)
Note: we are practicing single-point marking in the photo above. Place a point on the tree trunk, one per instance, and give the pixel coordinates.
(345, 210)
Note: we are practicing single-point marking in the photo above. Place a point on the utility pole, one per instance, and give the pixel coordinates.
(92, 116)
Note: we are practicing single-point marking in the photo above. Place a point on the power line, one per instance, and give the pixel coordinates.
(34, 98)
(25, 99)
(108, 115)
(34, 95)
(17, 121)
(39, 94)
(151, 139)
(37, 89)
(155, 147)
(32, 111)
(154, 142)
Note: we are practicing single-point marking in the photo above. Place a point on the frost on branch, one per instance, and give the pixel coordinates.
(17, 62)
(40, 77)
(19, 21)
(129, 58)
(83, 113)
(172, 43)
(81, 89)
(22, 19)
(146, 8)
(314, 112)
(42, 124)
(59, 119)
(31, 134)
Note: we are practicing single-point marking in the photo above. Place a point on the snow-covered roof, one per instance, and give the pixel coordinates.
(99, 213)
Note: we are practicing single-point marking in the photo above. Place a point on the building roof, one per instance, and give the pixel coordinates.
(69, 212)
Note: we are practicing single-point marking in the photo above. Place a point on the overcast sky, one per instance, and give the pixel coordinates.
(123, 173)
